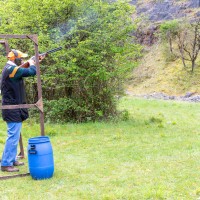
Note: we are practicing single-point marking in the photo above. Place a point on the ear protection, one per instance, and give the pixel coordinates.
(17, 61)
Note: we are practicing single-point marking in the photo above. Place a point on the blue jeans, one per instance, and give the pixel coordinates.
(10, 149)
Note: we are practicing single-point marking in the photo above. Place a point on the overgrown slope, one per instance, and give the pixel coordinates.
(155, 74)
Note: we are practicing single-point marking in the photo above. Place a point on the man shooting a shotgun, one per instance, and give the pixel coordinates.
(13, 93)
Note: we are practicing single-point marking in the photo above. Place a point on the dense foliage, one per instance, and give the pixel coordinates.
(81, 82)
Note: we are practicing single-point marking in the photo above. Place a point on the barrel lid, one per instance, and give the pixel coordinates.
(39, 139)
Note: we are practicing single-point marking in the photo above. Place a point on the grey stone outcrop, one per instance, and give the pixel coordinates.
(189, 96)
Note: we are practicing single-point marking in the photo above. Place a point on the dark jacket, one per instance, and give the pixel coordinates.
(13, 91)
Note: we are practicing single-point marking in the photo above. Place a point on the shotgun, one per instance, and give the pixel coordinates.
(26, 64)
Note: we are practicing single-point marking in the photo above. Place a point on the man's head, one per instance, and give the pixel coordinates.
(16, 56)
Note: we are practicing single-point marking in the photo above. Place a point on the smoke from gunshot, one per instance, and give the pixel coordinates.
(65, 30)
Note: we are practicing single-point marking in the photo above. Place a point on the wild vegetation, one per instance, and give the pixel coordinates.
(81, 82)
(183, 39)
(171, 62)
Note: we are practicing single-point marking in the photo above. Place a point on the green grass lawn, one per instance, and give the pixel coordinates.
(155, 154)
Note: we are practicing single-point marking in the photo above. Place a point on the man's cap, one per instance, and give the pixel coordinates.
(16, 54)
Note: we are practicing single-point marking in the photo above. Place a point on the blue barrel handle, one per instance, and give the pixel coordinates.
(32, 151)
(32, 146)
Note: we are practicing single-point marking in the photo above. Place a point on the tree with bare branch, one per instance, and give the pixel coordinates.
(188, 42)
(183, 38)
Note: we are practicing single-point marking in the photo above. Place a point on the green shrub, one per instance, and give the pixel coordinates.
(80, 82)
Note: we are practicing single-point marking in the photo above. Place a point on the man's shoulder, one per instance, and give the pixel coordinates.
(10, 70)
(9, 66)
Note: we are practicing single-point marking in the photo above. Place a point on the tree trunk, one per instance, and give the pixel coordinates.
(183, 61)
(182, 56)
(170, 45)
(193, 65)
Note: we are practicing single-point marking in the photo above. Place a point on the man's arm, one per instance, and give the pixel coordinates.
(16, 72)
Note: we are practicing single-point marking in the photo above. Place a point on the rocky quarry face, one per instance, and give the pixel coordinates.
(158, 10)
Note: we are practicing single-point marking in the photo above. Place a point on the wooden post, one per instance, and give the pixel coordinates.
(21, 154)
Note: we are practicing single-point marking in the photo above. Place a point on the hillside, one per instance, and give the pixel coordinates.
(154, 73)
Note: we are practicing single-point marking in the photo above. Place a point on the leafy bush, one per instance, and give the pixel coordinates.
(79, 83)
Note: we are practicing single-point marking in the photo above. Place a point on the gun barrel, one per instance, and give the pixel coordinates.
(54, 50)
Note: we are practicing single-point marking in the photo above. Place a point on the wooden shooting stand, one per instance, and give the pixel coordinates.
(38, 104)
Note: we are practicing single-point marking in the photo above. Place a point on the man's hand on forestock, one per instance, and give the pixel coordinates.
(41, 57)
(31, 62)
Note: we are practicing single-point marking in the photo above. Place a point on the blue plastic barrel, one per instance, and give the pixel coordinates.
(40, 157)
